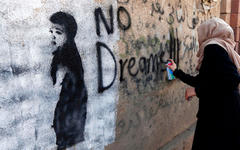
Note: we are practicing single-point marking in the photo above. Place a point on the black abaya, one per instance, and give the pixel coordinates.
(216, 85)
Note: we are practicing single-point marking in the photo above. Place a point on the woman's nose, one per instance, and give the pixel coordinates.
(54, 37)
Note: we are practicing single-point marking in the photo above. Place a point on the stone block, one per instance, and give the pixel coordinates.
(235, 20)
(235, 8)
(225, 6)
(226, 17)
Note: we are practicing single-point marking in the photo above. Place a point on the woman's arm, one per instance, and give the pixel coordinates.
(186, 78)
(190, 80)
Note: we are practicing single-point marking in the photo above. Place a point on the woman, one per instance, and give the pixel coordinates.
(71, 109)
(216, 85)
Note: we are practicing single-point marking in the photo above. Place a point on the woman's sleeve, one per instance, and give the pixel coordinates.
(219, 68)
(186, 78)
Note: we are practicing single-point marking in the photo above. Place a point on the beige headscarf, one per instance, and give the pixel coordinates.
(217, 31)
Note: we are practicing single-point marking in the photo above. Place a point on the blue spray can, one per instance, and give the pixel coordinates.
(170, 72)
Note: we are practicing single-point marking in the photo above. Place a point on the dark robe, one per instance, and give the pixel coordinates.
(216, 85)
(70, 112)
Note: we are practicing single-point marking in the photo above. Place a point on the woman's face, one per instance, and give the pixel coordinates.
(59, 36)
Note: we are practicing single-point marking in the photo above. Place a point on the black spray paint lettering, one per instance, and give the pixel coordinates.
(194, 21)
(180, 12)
(144, 65)
(152, 42)
(120, 24)
(122, 65)
(154, 63)
(174, 46)
(156, 7)
(189, 43)
(131, 64)
(155, 59)
(99, 14)
(170, 19)
(99, 46)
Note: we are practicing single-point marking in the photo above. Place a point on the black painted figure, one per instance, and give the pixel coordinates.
(71, 110)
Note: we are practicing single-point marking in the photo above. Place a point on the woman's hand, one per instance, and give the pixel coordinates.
(190, 92)
(173, 65)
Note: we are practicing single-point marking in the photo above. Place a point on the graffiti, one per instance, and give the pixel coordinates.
(148, 65)
(189, 44)
(120, 24)
(180, 12)
(194, 21)
(109, 27)
(157, 8)
(170, 19)
(145, 70)
(101, 88)
(155, 63)
(149, 42)
(143, 65)
(122, 65)
(131, 64)
(174, 46)
(99, 45)
(99, 14)
(70, 112)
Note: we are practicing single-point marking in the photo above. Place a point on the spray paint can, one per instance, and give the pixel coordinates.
(170, 72)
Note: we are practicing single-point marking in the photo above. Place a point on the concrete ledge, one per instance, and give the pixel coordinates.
(179, 142)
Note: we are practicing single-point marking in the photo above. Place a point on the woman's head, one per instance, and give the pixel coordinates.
(217, 31)
(64, 28)
(214, 28)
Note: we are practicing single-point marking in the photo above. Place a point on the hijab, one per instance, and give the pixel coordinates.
(217, 31)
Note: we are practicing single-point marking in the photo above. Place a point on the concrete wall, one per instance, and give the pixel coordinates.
(152, 111)
(131, 104)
